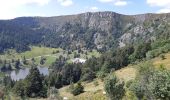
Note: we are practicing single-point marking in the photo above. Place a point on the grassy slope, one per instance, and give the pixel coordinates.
(166, 62)
(93, 92)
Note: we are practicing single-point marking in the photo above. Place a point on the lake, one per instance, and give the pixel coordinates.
(22, 73)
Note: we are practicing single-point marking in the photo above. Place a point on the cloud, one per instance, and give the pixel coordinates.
(115, 2)
(159, 3)
(65, 3)
(94, 8)
(8, 8)
(90, 9)
(120, 3)
(164, 10)
(106, 1)
(16, 3)
(164, 4)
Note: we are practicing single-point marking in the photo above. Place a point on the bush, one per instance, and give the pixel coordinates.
(137, 89)
(78, 89)
(88, 75)
(162, 57)
(114, 88)
(96, 83)
(151, 83)
(160, 85)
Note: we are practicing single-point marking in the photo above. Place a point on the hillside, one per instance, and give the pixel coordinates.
(99, 30)
(93, 92)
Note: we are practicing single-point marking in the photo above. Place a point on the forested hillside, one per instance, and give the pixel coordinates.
(100, 30)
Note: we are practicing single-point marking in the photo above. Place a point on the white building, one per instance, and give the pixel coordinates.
(79, 60)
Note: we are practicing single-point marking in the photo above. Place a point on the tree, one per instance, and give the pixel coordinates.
(17, 64)
(33, 60)
(34, 83)
(88, 75)
(141, 50)
(25, 61)
(42, 60)
(151, 83)
(78, 89)
(114, 87)
(19, 89)
(137, 88)
(9, 67)
(8, 83)
(160, 84)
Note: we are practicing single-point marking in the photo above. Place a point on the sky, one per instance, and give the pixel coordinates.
(10, 9)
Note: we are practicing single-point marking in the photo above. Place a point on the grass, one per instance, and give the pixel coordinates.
(2, 74)
(34, 52)
(166, 62)
(37, 52)
(93, 92)
(128, 73)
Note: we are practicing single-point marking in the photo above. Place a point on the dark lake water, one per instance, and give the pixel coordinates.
(22, 73)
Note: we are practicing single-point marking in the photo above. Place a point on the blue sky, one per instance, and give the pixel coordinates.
(17, 8)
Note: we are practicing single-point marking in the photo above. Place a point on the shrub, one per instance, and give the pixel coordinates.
(137, 89)
(96, 83)
(160, 85)
(114, 88)
(78, 89)
(162, 57)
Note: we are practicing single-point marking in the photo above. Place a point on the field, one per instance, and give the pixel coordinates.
(34, 52)
(49, 53)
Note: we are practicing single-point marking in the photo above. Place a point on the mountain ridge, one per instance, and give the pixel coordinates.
(97, 30)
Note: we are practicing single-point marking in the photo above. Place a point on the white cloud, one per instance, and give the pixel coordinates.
(16, 3)
(159, 3)
(164, 10)
(65, 3)
(8, 8)
(120, 3)
(90, 9)
(115, 2)
(106, 1)
(94, 8)
(164, 4)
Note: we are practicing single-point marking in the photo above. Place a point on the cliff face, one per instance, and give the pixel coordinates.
(89, 30)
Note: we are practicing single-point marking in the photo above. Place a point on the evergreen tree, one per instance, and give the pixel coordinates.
(17, 64)
(34, 83)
